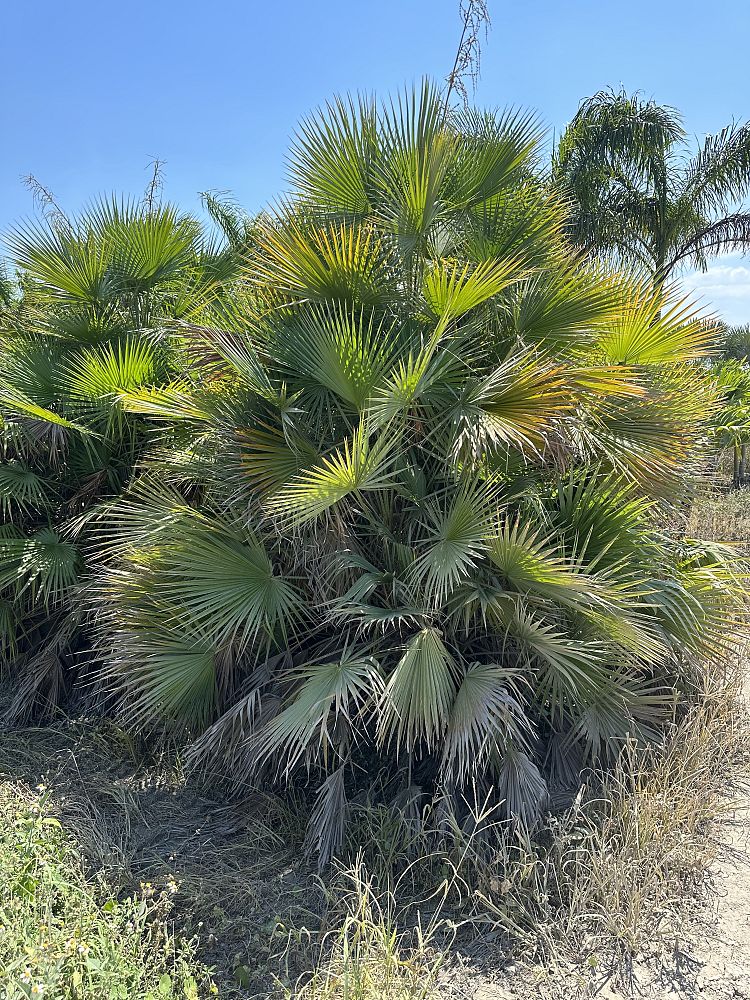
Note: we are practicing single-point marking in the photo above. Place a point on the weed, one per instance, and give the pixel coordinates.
(66, 936)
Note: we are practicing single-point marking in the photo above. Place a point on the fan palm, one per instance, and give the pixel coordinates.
(88, 326)
(637, 197)
(405, 515)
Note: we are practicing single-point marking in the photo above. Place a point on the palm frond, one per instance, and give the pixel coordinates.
(328, 698)
(487, 717)
(416, 703)
(362, 463)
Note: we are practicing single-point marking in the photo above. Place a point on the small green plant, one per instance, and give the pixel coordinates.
(65, 936)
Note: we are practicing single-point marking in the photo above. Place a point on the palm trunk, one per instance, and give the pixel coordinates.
(743, 457)
(736, 470)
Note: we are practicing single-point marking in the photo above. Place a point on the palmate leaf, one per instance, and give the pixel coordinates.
(327, 823)
(42, 564)
(456, 540)
(652, 438)
(516, 404)
(417, 384)
(530, 564)
(163, 676)
(648, 329)
(94, 381)
(151, 509)
(341, 351)
(451, 290)
(620, 707)
(487, 716)
(361, 463)
(523, 222)
(31, 365)
(332, 155)
(271, 456)
(177, 401)
(568, 667)
(602, 519)
(114, 249)
(18, 404)
(147, 247)
(21, 489)
(416, 152)
(69, 266)
(416, 704)
(338, 263)
(220, 581)
(521, 787)
(110, 370)
(30, 381)
(702, 608)
(492, 156)
(327, 696)
(219, 349)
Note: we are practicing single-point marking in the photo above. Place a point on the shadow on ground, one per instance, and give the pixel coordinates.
(242, 880)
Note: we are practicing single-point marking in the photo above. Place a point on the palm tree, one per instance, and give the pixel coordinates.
(401, 528)
(95, 294)
(732, 422)
(636, 195)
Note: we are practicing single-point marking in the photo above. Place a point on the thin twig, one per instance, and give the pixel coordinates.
(466, 65)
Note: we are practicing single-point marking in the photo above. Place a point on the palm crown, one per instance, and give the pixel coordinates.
(371, 493)
(636, 196)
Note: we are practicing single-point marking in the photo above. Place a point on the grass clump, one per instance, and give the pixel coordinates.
(64, 935)
(369, 955)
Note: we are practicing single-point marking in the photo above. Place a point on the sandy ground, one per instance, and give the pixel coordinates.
(715, 961)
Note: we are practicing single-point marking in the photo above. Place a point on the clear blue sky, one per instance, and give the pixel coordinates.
(94, 90)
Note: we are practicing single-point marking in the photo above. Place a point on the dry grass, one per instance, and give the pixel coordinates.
(722, 515)
(369, 955)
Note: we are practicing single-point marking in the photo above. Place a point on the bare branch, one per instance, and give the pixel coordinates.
(152, 195)
(46, 202)
(476, 24)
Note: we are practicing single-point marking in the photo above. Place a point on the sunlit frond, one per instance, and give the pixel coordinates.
(417, 700)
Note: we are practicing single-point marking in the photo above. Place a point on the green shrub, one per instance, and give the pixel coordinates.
(407, 532)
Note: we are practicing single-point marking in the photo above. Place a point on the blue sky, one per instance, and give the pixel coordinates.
(95, 90)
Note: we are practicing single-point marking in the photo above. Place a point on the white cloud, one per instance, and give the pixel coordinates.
(724, 288)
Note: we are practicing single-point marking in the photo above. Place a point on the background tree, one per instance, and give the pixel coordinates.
(639, 198)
